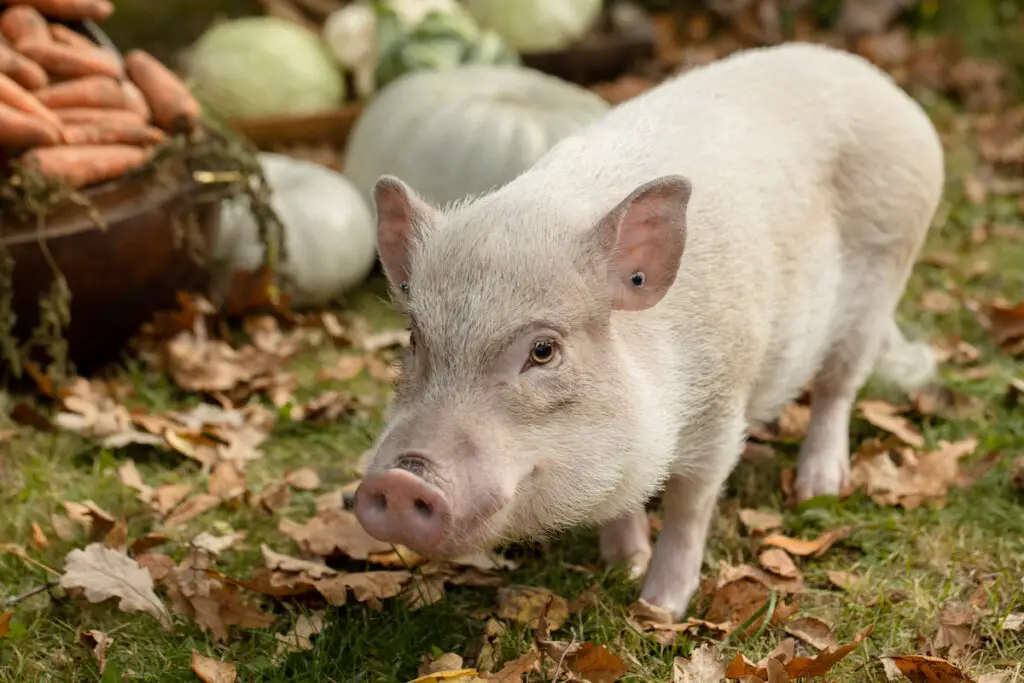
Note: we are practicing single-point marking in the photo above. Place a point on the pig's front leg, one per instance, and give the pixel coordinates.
(627, 540)
(689, 500)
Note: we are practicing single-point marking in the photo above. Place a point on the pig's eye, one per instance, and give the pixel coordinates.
(543, 352)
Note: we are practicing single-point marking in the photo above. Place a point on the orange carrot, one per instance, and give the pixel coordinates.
(71, 62)
(13, 95)
(85, 165)
(97, 10)
(135, 101)
(89, 91)
(78, 115)
(63, 34)
(27, 73)
(21, 130)
(173, 106)
(113, 134)
(24, 23)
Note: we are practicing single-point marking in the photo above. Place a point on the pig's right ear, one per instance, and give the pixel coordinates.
(400, 215)
(642, 241)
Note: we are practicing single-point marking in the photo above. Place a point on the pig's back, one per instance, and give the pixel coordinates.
(782, 145)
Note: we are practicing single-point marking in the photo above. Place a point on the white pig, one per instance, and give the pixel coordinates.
(610, 323)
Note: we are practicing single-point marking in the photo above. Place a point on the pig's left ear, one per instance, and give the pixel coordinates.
(401, 214)
(642, 239)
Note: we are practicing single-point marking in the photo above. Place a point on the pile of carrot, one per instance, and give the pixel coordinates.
(72, 110)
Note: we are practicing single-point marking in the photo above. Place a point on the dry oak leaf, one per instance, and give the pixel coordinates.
(793, 421)
(367, 587)
(423, 591)
(331, 532)
(303, 479)
(923, 669)
(272, 497)
(648, 618)
(214, 605)
(104, 573)
(212, 670)
(285, 563)
(227, 480)
(778, 562)
(595, 663)
(157, 564)
(758, 522)
(5, 622)
(804, 548)
(826, 659)
(918, 477)
(886, 416)
(814, 632)
(956, 636)
(298, 639)
(1007, 322)
(449, 661)
(192, 507)
(526, 605)
(215, 545)
(705, 665)
(97, 521)
(168, 497)
(38, 538)
(842, 580)
(98, 642)
(513, 671)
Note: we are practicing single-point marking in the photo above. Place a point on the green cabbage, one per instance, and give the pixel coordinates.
(442, 40)
(264, 66)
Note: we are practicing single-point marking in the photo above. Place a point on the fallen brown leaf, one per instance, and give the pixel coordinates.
(449, 661)
(366, 587)
(346, 368)
(227, 480)
(216, 605)
(804, 548)
(514, 670)
(103, 573)
(285, 563)
(595, 663)
(98, 642)
(39, 540)
(5, 622)
(117, 537)
(525, 604)
(793, 421)
(705, 665)
(1007, 322)
(886, 416)
(757, 522)
(923, 669)
(157, 564)
(169, 496)
(299, 638)
(331, 532)
(215, 545)
(648, 618)
(818, 666)
(956, 636)
(938, 301)
(778, 562)
(814, 632)
(97, 521)
(423, 591)
(303, 479)
(842, 580)
(192, 507)
(919, 477)
(212, 670)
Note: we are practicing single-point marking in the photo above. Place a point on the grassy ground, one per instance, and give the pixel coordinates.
(932, 555)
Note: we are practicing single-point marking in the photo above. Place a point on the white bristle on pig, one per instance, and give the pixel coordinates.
(607, 325)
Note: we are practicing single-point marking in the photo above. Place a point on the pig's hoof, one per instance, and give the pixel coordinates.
(821, 477)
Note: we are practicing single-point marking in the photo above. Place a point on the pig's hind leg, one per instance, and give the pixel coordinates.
(823, 467)
(627, 540)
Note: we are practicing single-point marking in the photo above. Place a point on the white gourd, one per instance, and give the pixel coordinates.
(463, 131)
(537, 25)
(330, 235)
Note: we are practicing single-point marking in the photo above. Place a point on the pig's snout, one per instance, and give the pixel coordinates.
(398, 506)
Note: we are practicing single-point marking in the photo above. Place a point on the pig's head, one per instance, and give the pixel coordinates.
(516, 413)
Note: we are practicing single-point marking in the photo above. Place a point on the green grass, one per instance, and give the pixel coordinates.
(932, 555)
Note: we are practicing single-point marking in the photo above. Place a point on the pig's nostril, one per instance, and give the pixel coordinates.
(423, 507)
(380, 501)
